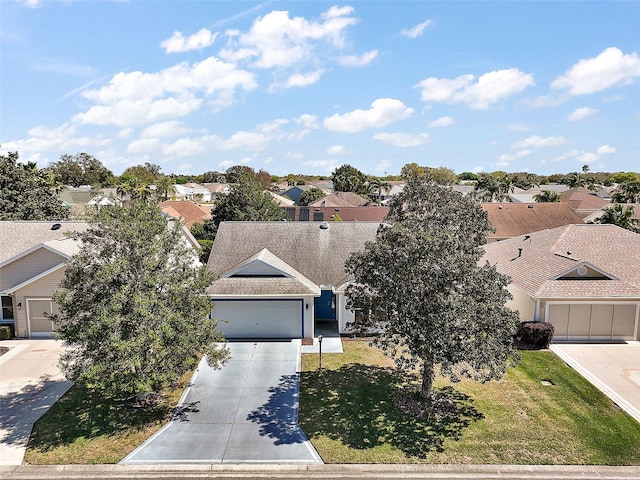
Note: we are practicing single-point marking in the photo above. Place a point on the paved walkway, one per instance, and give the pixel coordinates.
(247, 412)
(30, 382)
(613, 368)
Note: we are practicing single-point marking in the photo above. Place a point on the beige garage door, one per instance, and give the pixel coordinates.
(593, 322)
(37, 310)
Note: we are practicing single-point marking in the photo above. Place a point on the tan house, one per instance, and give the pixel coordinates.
(32, 264)
(584, 279)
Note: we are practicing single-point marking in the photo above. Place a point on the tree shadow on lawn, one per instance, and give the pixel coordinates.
(354, 405)
(81, 413)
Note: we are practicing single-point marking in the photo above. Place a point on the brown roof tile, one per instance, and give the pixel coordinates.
(513, 219)
(187, 210)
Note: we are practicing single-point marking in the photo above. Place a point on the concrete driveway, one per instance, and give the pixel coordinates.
(30, 382)
(247, 412)
(613, 368)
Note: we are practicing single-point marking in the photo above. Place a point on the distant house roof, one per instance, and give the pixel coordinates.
(366, 213)
(583, 202)
(75, 196)
(340, 199)
(513, 219)
(19, 236)
(187, 210)
(280, 200)
(544, 264)
(317, 254)
(217, 188)
(592, 217)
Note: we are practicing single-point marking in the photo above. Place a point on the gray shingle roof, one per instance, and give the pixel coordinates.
(317, 254)
(18, 236)
(549, 253)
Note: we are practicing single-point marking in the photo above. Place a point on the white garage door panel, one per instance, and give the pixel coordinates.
(594, 322)
(259, 319)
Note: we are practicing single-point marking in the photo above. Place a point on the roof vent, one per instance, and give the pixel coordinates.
(582, 271)
(529, 206)
(56, 226)
(324, 225)
(499, 207)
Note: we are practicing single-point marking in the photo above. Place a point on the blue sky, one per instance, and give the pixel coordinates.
(306, 86)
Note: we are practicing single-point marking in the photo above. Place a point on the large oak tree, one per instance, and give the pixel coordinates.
(132, 309)
(420, 286)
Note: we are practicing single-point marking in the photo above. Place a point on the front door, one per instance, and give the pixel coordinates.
(325, 306)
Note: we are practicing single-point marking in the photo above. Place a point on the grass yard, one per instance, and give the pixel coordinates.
(347, 414)
(84, 429)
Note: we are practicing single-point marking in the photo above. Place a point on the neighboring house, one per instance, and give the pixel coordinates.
(584, 202)
(188, 211)
(32, 264)
(330, 214)
(515, 219)
(280, 200)
(278, 279)
(33, 258)
(192, 191)
(295, 192)
(83, 200)
(591, 218)
(217, 188)
(341, 199)
(583, 279)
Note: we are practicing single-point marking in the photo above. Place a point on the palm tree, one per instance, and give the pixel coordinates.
(547, 196)
(165, 188)
(621, 216)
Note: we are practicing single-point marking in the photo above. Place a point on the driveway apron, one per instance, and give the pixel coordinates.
(612, 368)
(244, 413)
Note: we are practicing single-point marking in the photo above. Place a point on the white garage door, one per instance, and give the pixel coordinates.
(593, 321)
(259, 319)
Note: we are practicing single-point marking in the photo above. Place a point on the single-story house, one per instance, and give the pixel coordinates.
(516, 219)
(341, 199)
(295, 192)
(279, 279)
(33, 256)
(189, 212)
(584, 202)
(366, 213)
(583, 279)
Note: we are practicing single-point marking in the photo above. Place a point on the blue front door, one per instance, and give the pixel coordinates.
(325, 306)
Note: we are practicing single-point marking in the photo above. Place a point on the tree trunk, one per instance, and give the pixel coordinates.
(427, 383)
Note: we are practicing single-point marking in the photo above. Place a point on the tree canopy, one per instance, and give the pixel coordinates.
(131, 306)
(82, 169)
(27, 193)
(419, 284)
(348, 179)
(311, 196)
(620, 215)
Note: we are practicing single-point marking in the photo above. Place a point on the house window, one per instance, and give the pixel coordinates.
(304, 214)
(318, 216)
(291, 213)
(7, 309)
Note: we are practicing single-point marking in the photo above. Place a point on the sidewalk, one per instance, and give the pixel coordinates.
(30, 382)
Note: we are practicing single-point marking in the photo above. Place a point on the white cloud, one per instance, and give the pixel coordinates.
(29, 3)
(335, 149)
(581, 113)
(505, 159)
(590, 75)
(144, 145)
(605, 149)
(164, 129)
(276, 40)
(299, 80)
(383, 111)
(442, 122)
(307, 120)
(326, 165)
(64, 138)
(178, 43)
(536, 141)
(417, 30)
(478, 169)
(136, 98)
(185, 147)
(400, 139)
(358, 61)
(382, 166)
(490, 88)
(125, 133)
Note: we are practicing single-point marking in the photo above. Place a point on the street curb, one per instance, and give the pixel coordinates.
(370, 472)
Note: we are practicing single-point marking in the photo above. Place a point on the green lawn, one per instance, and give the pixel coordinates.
(84, 429)
(347, 414)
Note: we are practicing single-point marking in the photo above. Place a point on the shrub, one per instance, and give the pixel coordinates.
(6, 332)
(535, 334)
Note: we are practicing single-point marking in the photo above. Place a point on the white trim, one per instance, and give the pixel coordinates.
(588, 265)
(31, 250)
(34, 279)
(38, 335)
(253, 262)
